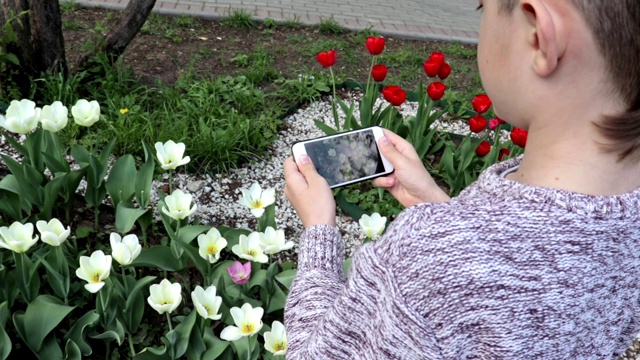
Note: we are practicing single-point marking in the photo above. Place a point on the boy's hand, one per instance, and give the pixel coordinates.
(410, 183)
(309, 193)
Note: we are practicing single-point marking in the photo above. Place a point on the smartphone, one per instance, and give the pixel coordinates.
(347, 157)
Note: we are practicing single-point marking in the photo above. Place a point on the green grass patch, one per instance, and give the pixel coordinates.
(240, 19)
(330, 27)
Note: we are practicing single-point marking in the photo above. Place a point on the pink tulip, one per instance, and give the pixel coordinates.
(240, 273)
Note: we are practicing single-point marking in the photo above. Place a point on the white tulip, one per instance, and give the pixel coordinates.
(248, 321)
(86, 113)
(210, 245)
(165, 297)
(257, 199)
(275, 340)
(249, 248)
(94, 270)
(124, 250)
(372, 226)
(17, 237)
(206, 303)
(273, 241)
(53, 232)
(170, 155)
(21, 117)
(177, 205)
(54, 117)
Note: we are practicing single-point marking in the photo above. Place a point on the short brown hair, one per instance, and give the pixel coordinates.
(615, 25)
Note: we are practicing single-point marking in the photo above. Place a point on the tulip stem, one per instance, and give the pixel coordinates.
(333, 102)
(170, 181)
(124, 281)
(169, 321)
(133, 351)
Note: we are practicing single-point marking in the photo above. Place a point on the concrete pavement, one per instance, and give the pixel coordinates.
(414, 19)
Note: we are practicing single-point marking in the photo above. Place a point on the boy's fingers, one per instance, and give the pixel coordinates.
(390, 152)
(384, 182)
(306, 167)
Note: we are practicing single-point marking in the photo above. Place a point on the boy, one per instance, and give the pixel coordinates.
(539, 258)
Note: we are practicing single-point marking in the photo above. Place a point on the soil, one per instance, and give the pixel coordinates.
(166, 49)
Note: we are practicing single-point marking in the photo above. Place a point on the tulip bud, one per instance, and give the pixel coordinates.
(53, 232)
(124, 250)
(379, 72)
(86, 113)
(483, 149)
(165, 297)
(17, 237)
(477, 123)
(54, 117)
(240, 273)
(375, 45)
(21, 117)
(327, 58)
(436, 90)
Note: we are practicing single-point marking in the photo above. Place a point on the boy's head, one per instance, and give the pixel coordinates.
(614, 27)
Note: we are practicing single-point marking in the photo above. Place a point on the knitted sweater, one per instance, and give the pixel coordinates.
(503, 271)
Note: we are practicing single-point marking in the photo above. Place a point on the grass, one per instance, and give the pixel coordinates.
(240, 19)
(228, 119)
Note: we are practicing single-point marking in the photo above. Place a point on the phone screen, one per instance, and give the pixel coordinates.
(346, 158)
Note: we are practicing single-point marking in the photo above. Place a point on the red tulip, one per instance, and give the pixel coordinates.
(483, 149)
(375, 45)
(477, 123)
(394, 94)
(436, 90)
(519, 137)
(379, 72)
(437, 56)
(445, 70)
(327, 58)
(431, 68)
(493, 124)
(481, 103)
(500, 121)
(503, 152)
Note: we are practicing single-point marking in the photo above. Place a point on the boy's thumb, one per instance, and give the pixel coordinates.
(389, 151)
(306, 167)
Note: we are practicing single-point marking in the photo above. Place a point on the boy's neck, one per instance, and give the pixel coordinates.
(574, 162)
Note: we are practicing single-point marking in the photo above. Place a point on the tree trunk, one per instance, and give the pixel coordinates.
(117, 40)
(40, 45)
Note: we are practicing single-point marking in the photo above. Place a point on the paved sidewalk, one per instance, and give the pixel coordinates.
(415, 19)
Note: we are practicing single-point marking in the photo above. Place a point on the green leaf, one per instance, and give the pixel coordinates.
(258, 278)
(188, 233)
(286, 277)
(134, 307)
(119, 184)
(127, 215)
(158, 256)
(215, 347)
(152, 353)
(346, 265)
(268, 218)
(184, 332)
(192, 252)
(144, 180)
(114, 333)
(10, 203)
(72, 351)
(325, 128)
(277, 300)
(5, 341)
(352, 209)
(80, 154)
(78, 332)
(43, 314)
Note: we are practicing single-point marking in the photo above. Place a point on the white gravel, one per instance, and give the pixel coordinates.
(217, 195)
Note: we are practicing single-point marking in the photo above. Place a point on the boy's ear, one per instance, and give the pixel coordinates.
(543, 36)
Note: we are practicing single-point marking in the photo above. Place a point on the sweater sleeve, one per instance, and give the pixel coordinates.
(362, 317)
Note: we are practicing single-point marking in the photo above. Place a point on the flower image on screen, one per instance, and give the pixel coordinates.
(346, 158)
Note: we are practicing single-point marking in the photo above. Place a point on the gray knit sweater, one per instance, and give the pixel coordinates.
(503, 271)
